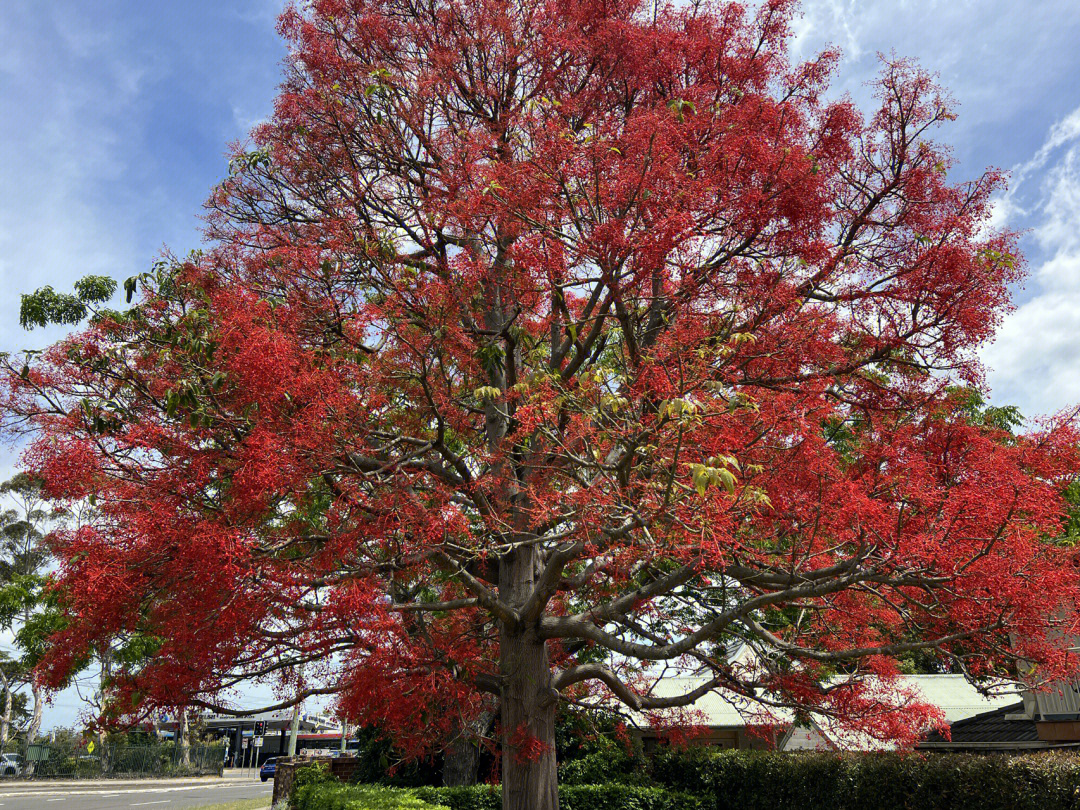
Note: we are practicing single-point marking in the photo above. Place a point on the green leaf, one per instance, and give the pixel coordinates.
(95, 289)
(46, 306)
(726, 478)
(487, 393)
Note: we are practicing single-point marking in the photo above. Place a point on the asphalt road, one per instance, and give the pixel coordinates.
(152, 796)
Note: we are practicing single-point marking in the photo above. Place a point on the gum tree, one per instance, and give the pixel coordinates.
(23, 564)
(541, 348)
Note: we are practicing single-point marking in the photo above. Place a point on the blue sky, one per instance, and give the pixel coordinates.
(115, 116)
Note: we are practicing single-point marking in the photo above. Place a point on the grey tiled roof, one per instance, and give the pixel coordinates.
(990, 728)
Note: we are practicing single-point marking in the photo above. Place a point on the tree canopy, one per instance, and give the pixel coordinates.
(538, 349)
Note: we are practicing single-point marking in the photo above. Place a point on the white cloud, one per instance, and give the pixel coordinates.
(113, 120)
(832, 20)
(1000, 58)
(1035, 358)
(69, 95)
(1061, 133)
(1061, 209)
(1011, 67)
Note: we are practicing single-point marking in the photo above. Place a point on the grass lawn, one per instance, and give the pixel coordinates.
(243, 804)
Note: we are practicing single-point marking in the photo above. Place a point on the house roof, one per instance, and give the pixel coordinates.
(1003, 728)
(957, 699)
(952, 694)
(718, 708)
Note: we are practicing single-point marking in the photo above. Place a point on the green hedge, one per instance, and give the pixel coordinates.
(474, 797)
(614, 796)
(612, 765)
(336, 796)
(742, 780)
(609, 796)
(700, 779)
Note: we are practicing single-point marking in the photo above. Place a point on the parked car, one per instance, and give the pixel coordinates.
(268, 769)
(11, 764)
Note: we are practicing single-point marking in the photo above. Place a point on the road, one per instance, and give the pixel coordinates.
(156, 795)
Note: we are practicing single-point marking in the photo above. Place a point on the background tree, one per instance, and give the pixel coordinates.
(539, 349)
(24, 559)
(13, 710)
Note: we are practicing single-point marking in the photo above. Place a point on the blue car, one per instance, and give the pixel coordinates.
(268, 768)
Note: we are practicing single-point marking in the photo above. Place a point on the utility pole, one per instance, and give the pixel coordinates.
(344, 734)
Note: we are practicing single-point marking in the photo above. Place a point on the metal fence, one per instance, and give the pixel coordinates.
(45, 760)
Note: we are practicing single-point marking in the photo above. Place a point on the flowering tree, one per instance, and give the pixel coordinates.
(537, 348)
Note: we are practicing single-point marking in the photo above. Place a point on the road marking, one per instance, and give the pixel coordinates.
(55, 800)
(105, 791)
(143, 804)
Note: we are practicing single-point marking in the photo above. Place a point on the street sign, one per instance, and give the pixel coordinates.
(245, 742)
(258, 742)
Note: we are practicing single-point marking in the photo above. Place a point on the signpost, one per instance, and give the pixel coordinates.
(256, 746)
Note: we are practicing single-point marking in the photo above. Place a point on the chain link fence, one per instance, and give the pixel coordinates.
(46, 760)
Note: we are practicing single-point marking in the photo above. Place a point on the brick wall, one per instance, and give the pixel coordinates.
(340, 768)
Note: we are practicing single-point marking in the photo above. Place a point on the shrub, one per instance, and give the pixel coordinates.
(692, 769)
(581, 731)
(741, 780)
(472, 797)
(608, 796)
(336, 796)
(314, 773)
(628, 797)
(610, 765)
(702, 779)
(375, 756)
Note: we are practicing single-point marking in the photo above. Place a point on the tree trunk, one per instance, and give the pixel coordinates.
(5, 718)
(185, 738)
(461, 760)
(103, 680)
(529, 779)
(34, 728)
(294, 729)
(103, 750)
